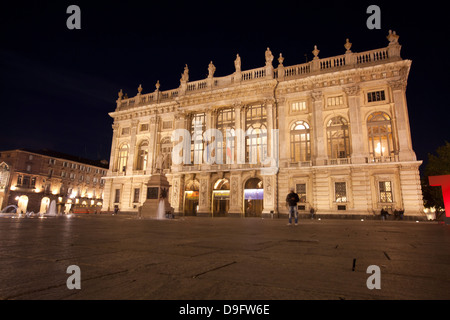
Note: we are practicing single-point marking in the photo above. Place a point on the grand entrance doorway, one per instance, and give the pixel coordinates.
(253, 197)
(221, 198)
(191, 198)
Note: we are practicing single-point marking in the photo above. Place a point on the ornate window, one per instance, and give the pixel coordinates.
(142, 156)
(338, 139)
(298, 106)
(380, 135)
(385, 191)
(225, 124)
(198, 127)
(256, 134)
(300, 142)
(122, 158)
(340, 192)
(166, 151)
(376, 96)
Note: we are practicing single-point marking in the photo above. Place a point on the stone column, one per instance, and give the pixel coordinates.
(177, 194)
(270, 126)
(204, 205)
(113, 157)
(239, 112)
(152, 144)
(270, 196)
(130, 160)
(405, 152)
(236, 193)
(318, 136)
(283, 147)
(355, 128)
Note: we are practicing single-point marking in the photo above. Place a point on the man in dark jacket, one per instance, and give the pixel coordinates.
(291, 200)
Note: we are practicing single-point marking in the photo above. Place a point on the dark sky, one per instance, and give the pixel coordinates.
(58, 85)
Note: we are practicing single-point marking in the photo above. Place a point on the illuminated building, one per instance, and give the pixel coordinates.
(32, 179)
(344, 138)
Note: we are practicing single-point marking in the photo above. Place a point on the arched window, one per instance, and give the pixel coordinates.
(166, 151)
(122, 158)
(379, 129)
(300, 142)
(256, 134)
(225, 124)
(142, 156)
(198, 127)
(338, 139)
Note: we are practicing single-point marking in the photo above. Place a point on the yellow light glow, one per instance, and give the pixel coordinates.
(13, 188)
(379, 149)
(55, 192)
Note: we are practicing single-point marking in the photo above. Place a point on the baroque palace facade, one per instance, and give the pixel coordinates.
(344, 141)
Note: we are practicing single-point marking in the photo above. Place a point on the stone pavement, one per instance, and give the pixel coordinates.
(121, 257)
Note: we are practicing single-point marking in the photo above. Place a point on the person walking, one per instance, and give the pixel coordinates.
(311, 212)
(291, 200)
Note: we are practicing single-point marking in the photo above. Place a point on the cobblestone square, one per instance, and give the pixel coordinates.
(122, 257)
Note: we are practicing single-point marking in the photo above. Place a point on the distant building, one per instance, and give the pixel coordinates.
(32, 179)
(344, 138)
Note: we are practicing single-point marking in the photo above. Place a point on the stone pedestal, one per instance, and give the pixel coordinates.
(157, 191)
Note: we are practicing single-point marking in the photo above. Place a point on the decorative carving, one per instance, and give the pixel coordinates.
(352, 91)
(392, 37)
(280, 60)
(316, 95)
(120, 94)
(399, 84)
(157, 85)
(175, 198)
(269, 57)
(347, 46)
(315, 52)
(185, 74)
(268, 189)
(237, 63)
(211, 70)
(204, 192)
(139, 89)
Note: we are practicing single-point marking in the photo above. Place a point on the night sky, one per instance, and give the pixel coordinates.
(58, 85)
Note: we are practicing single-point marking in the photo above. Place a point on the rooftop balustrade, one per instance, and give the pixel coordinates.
(281, 73)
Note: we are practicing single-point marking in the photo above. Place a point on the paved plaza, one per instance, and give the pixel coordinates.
(121, 257)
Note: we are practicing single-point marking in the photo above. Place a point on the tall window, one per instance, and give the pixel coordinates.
(166, 151)
(142, 156)
(256, 134)
(198, 127)
(117, 196)
(340, 192)
(338, 140)
(122, 158)
(380, 135)
(300, 142)
(137, 191)
(225, 124)
(385, 191)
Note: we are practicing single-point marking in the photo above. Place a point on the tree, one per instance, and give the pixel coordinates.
(437, 165)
